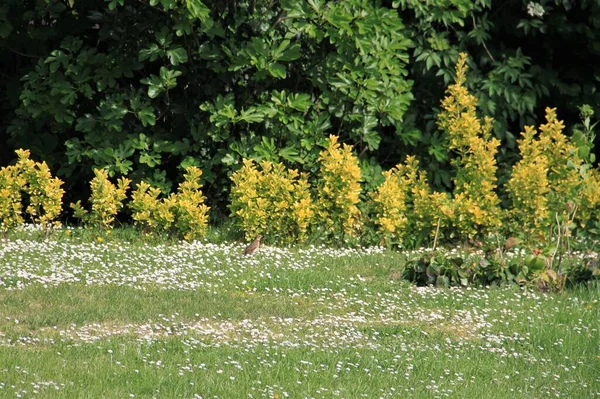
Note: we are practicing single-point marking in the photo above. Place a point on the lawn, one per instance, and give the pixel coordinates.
(81, 318)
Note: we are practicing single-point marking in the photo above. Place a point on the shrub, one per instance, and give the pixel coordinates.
(339, 189)
(192, 213)
(150, 212)
(106, 200)
(390, 205)
(184, 210)
(10, 199)
(273, 200)
(404, 204)
(528, 186)
(428, 212)
(43, 193)
(551, 182)
(476, 204)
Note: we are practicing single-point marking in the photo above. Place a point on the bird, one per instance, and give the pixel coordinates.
(253, 247)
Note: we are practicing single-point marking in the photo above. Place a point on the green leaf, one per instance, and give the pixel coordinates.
(169, 77)
(189, 161)
(163, 37)
(291, 154)
(113, 4)
(154, 91)
(5, 29)
(277, 70)
(177, 55)
(151, 53)
(150, 159)
(146, 116)
(177, 147)
(300, 101)
(198, 10)
(291, 54)
(228, 159)
(410, 136)
(155, 86)
(316, 5)
(281, 48)
(252, 115)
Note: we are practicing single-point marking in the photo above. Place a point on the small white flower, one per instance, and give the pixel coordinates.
(535, 9)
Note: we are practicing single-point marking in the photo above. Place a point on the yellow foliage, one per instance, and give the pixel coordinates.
(185, 209)
(273, 200)
(551, 179)
(390, 200)
(339, 189)
(528, 186)
(149, 211)
(106, 200)
(10, 199)
(429, 208)
(564, 164)
(44, 192)
(476, 205)
(192, 213)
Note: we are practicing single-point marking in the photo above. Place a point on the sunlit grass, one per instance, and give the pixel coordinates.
(124, 317)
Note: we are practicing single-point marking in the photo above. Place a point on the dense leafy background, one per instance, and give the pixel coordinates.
(146, 88)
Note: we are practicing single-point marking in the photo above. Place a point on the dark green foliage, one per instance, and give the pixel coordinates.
(147, 88)
(524, 56)
(460, 268)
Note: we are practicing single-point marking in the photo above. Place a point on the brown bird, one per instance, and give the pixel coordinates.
(253, 247)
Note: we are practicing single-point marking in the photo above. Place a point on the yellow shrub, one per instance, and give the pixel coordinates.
(35, 180)
(44, 191)
(550, 180)
(192, 213)
(390, 206)
(149, 211)
(273, 200)
(428, 208)
(106, 200)
(391, 199)
(476, 204)
(528, 186)
(339, 189)
(10, 199)
(184, 210)
(566, 182)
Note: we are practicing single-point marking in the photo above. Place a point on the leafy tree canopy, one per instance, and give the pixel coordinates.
(147, 88)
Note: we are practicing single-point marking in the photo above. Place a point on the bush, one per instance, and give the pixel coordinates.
(390, 205)
(528, 186)
(475, 201)
(184, 210)
(42, 191)
(339, 189)
(430, 213)
(106, 200)
(273, 200)
(192, 213)
(552, 184)
(10, 199)
(150, 212)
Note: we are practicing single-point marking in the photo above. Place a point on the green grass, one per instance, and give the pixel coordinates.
(126, 317)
